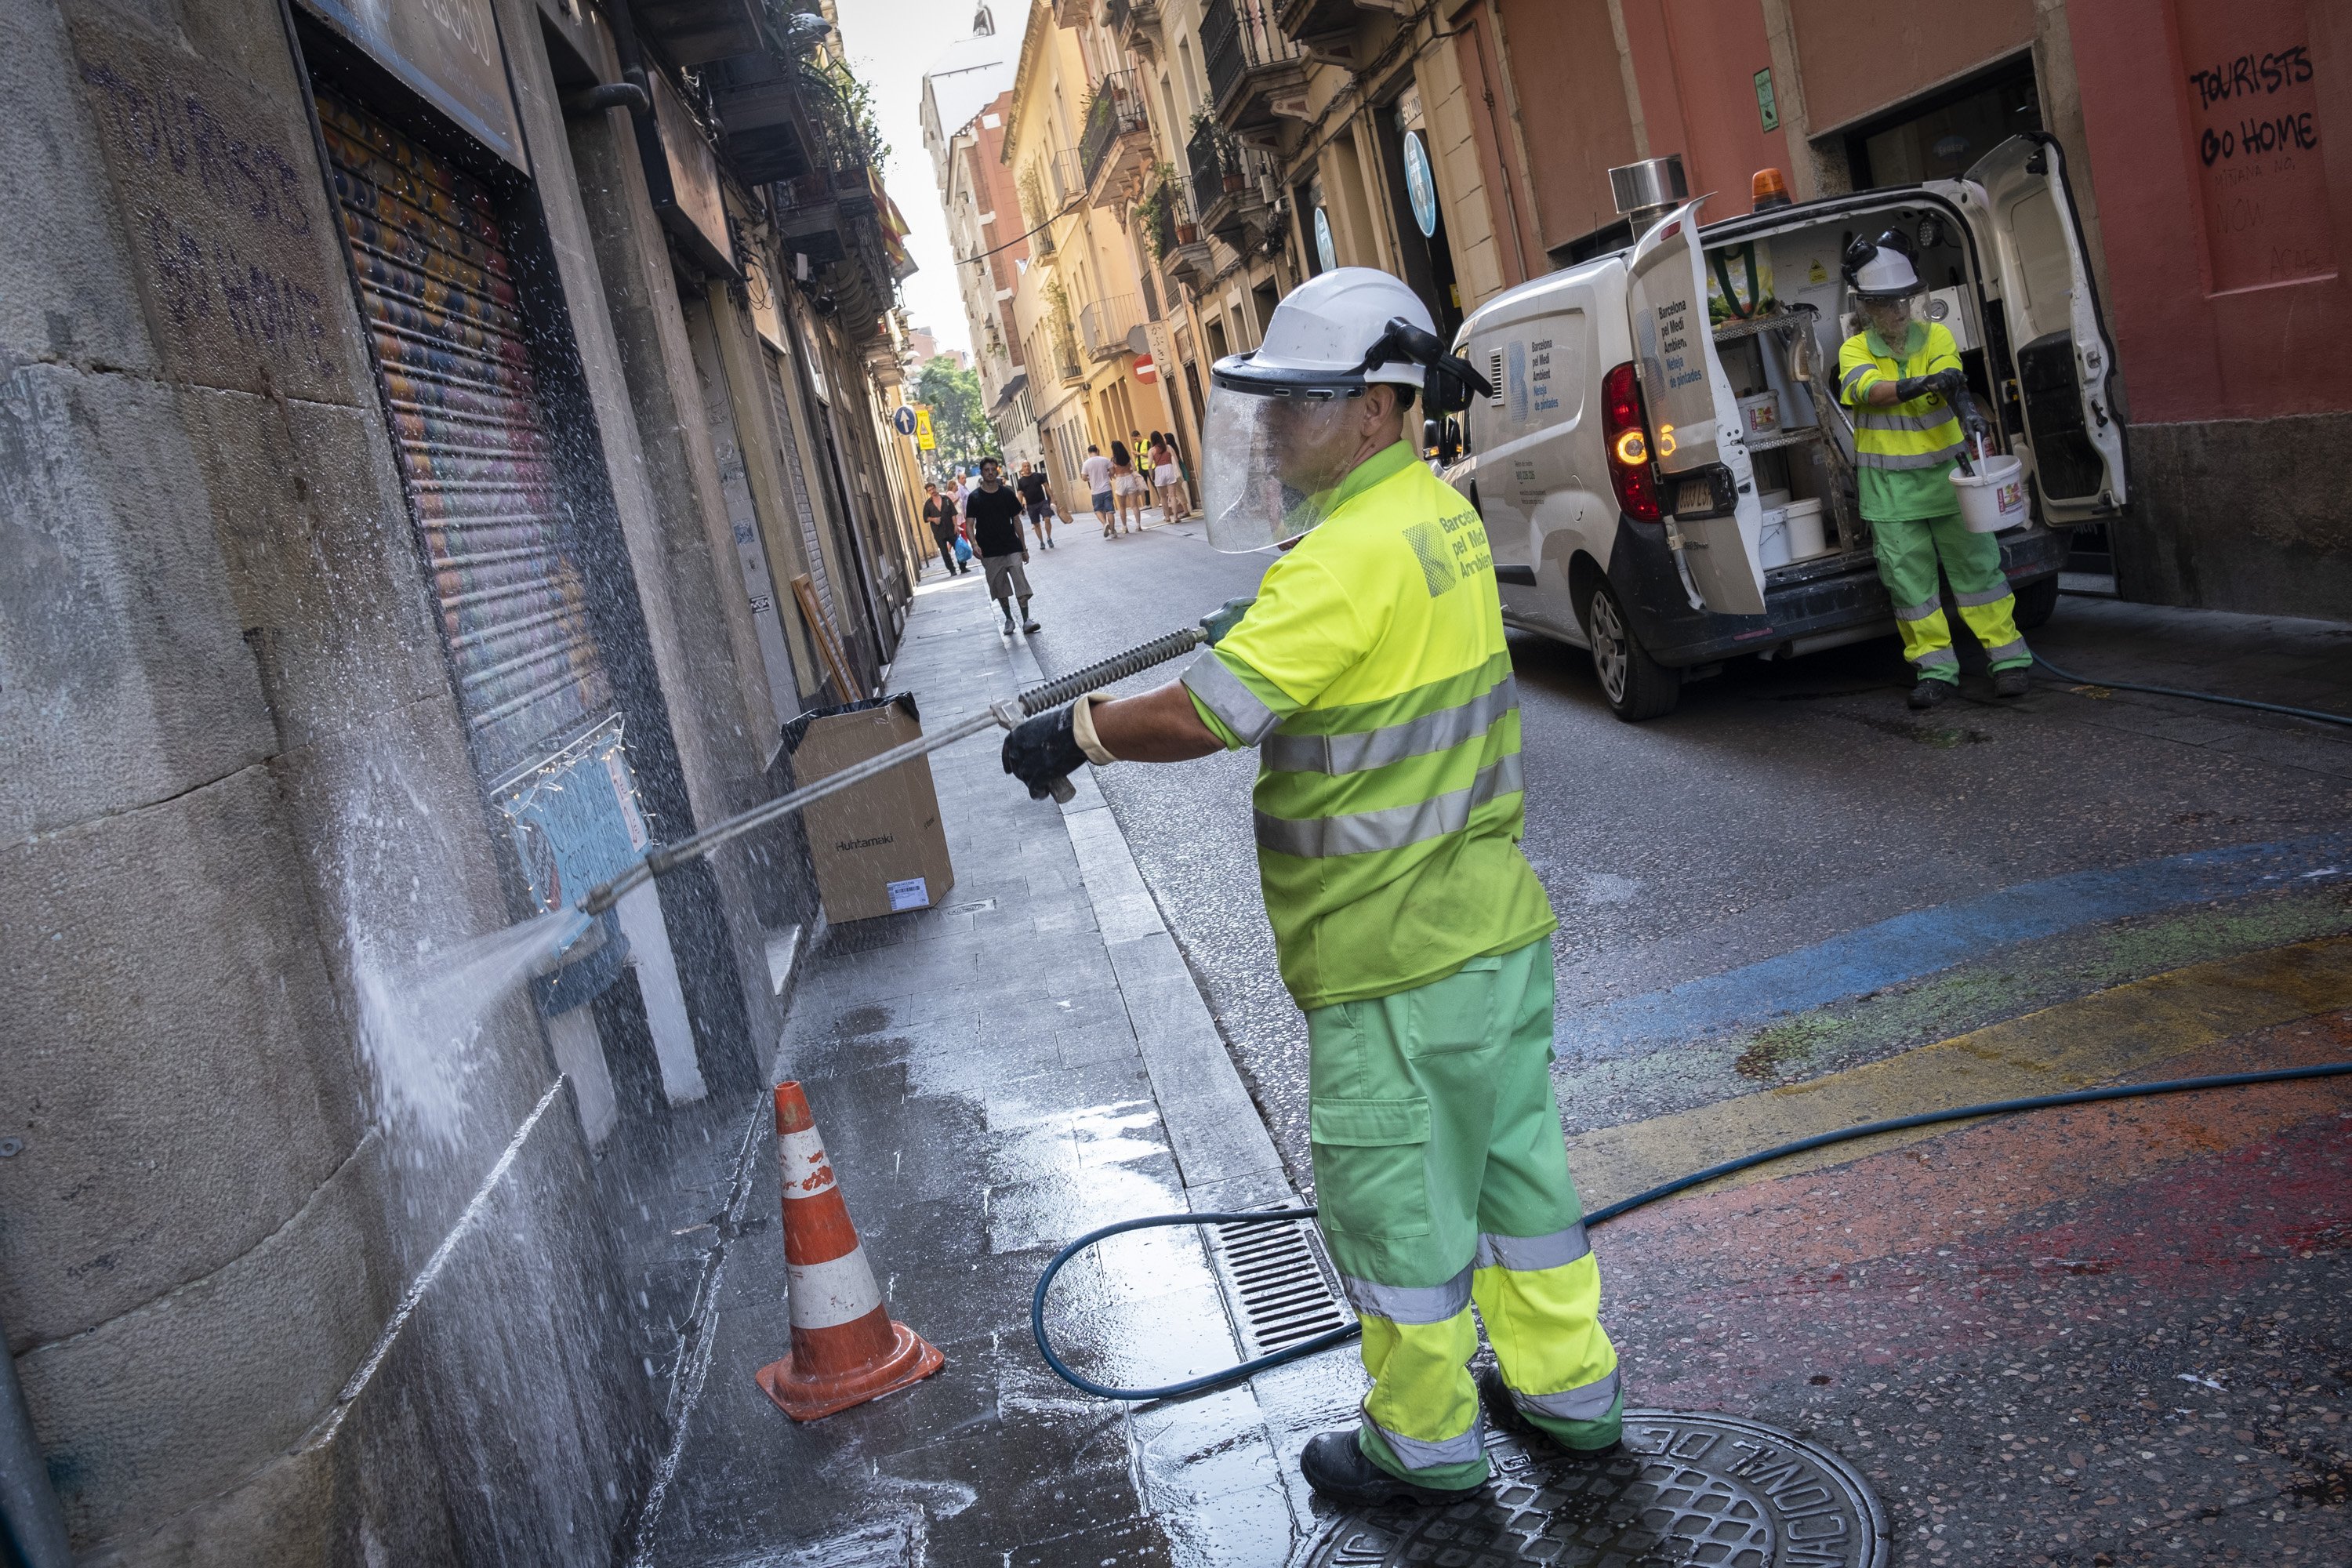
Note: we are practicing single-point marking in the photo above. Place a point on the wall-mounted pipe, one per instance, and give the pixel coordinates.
(605, 95)
(32, 1523)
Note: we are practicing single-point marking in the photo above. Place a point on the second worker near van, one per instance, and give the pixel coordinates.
(1902, 377)
(1372, 674)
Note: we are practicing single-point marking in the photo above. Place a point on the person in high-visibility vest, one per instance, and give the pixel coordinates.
(1370, 672)
(1902, 377)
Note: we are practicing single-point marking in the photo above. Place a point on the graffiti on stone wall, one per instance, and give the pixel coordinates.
(220, 203)
(2254, 113)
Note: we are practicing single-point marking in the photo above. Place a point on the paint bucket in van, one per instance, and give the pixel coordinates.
(1760, 415)
(1772, 544)
(1804, 529)
(1994, 498)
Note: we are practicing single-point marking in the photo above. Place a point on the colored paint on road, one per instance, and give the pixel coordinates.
(1909, 946)
(2095, 1039)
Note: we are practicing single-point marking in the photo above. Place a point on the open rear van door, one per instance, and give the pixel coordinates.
(1714, 519)
(2065, 363)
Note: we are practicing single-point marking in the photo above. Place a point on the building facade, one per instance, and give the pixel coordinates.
(434, 470)
(1465, 145)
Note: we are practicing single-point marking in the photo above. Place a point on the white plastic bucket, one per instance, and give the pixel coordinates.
(1805, 530)
(1760, 414)
(1994, 497)
(1772, 545)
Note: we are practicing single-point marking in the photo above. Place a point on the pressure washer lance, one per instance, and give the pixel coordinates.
(1069, 687)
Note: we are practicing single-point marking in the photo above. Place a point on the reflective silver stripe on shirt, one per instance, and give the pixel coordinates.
(1906, 459)
(1221, 692)
(1393, 828)
(1937, 659)
(1409, 1303)
(1920, 612)
(1590, 1403)
(1879, 419)
(1423, 1453)
(1856, 374)
(1367, 749)
(1994, 596)
(1527, 1254)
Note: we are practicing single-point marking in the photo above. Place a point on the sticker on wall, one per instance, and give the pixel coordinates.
(1419, 185)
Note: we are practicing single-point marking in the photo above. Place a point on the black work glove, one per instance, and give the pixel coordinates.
(1043, 749)
(1949, 382)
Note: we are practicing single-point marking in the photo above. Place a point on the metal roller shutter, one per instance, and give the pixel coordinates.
(438, 287)
(819, 578)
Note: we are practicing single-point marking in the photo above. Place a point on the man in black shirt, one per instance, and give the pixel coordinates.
(940, 517)
(1039, 500)
(994, 511)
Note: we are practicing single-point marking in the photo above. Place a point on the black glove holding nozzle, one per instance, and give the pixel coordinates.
(1044, 752)
(1951, 384)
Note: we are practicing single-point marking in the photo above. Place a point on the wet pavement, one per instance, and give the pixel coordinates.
(2111, 1334)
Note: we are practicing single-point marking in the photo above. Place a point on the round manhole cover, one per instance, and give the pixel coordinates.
(1706, 1491)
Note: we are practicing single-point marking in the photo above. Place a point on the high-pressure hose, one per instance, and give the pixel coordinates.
(1009, 713)
(1330, 1337)
(2312, 713)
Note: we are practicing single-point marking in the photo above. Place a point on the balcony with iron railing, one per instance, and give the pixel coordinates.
(1131, 24)
(1067, 365)
(1104, 324)
(1175, 236)
(1226, 185)
(1256, 72)
(1117, 142)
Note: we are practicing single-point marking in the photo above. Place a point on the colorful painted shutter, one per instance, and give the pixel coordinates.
(438, 287)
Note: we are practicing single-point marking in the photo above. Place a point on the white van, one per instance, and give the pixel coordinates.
(1664, 474)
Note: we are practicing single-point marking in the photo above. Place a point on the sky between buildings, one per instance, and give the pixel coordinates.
(890, 44)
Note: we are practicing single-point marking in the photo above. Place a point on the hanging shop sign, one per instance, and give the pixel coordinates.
(1419, 185)
(903, 420)
(448, 51)
(682, 177)
(1325, 251)
(924, 438)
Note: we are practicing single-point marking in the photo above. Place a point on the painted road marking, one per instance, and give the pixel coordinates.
(1910, 946)
(2093, 1039)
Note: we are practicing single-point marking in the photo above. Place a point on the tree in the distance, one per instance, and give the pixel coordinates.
(958, 423)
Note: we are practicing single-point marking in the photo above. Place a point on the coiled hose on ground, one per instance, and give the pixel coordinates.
(1325, 1341)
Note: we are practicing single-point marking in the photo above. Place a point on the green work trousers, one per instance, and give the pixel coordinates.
(1907, 557)
(1443, 1180)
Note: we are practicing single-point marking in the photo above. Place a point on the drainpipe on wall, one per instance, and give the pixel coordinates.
(32, 1523)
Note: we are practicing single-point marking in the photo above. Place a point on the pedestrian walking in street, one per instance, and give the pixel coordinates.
(994, 512)
(1039, 500)
(1097, 467)
(1126, 487)
(1372, 674)
(1902, 377)
(1168, 480)
(940, 517)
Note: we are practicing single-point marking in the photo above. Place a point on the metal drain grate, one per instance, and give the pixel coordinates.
(1279, 1285)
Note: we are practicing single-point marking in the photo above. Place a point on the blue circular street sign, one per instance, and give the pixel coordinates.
(904, 420)
(1419, 185)
(1325, 251)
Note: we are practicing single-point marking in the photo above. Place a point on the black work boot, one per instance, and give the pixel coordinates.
(2009, 682)
(1336, 1466)
(1928, 693)
(1505, 1412)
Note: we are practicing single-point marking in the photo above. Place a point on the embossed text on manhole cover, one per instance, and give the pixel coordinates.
(1687, 1491)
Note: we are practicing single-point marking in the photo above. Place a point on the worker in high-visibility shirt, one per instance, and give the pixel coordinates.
(1902, 377)
(1372, 674)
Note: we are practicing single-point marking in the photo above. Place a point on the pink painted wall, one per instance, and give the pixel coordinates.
(1695, 63)
(2226, 290)
(1860, 56)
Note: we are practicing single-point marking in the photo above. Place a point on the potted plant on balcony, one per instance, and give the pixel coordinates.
(1146, 214)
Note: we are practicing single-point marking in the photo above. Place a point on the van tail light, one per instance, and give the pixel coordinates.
(1627, 431)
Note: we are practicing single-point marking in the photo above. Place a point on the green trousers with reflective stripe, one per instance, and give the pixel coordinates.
(1443, 1181)
(1908, 557)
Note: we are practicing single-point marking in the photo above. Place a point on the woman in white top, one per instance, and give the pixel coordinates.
(1168, 480)
(1126, 490)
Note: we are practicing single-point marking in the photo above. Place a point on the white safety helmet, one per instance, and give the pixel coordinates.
(1282, 430)
(1882, 269)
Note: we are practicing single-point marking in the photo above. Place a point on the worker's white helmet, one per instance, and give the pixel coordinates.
(1882, 269)
(1284, 425)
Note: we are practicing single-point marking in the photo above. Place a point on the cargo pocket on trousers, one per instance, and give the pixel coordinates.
(1370, 1173)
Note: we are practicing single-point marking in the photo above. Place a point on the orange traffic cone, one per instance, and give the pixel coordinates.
(845, 1350)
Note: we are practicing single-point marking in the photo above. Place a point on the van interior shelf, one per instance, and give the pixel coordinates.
(1778, 321)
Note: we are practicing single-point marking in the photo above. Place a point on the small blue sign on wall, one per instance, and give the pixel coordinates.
(1419, 185)
(903, 421)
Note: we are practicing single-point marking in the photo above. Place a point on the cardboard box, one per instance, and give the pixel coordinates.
(878, 847)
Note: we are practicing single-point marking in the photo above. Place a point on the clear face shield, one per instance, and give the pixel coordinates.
(1271, 462)
(1892, 317)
